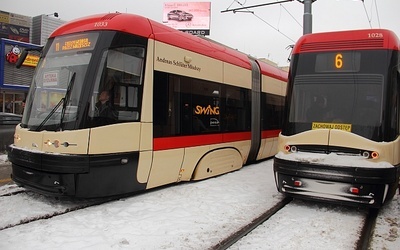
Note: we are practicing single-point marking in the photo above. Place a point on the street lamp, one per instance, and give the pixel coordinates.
(55, 14)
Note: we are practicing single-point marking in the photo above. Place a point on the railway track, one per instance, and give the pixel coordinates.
(232, 239)
(10, 189)
(366, 232)
(175, 222)
(55, 206)
(361, 244)
(58, 207)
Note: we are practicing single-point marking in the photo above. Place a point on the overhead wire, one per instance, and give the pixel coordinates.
(369, 18)
(377, 14)
(292, 16)
(366, 13)
(264, 21)
(233, 3)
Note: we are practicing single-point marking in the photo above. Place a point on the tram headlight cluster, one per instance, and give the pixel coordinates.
(291, 149)
(367, 154)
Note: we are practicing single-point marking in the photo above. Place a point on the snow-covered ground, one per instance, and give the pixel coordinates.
(195, 215)
(3, 158)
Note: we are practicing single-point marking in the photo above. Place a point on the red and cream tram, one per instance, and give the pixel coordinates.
(120, 103)
(340, 138)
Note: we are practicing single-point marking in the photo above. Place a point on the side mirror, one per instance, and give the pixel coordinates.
(21, 58)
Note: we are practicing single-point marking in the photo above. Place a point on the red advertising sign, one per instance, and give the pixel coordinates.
(191, 17)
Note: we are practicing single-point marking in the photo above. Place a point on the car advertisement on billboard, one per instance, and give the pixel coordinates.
(190, 17)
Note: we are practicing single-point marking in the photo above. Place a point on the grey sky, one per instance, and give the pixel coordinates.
(266, 33)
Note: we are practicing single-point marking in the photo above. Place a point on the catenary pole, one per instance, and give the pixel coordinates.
(307, 17)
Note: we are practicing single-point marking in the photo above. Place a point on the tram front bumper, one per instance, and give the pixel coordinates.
(348, 185)
(50, 174)
(83, 176)
(43, 182)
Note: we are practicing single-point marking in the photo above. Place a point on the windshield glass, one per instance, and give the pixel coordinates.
(56, 88)
(340, 99)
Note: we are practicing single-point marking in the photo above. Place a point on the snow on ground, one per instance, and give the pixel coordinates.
(307, 226)
(198, 215)
(387, 229)
(3, 159)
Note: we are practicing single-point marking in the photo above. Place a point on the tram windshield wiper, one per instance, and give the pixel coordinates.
(50, 114)
(66, 99)
(63, 101)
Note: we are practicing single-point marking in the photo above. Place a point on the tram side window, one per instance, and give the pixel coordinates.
(122, 80)
(235, 109)
(397, 99)
(272, 111)
(185, 106)
(188, 106)
(204, 107)
(162, 109)
(395, 104)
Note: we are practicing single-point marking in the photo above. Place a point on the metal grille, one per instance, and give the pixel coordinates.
(338, 45)
(339, 78)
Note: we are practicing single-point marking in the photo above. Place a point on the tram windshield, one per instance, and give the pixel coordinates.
(87, 80)
(56, 88)
(350, 99)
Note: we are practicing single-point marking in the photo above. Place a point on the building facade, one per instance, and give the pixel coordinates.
(17, 33)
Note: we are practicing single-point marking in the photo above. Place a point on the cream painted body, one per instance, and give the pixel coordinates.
(268, 148)
(117, 138)
(192, 163)
(218, 162)
(52, 142)
(388, 151)
(210, 69)
(273, 86)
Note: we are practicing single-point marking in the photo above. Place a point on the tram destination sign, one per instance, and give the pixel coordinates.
(347, 61)
(85, 41)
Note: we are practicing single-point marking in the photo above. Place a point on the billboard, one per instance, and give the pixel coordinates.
(15, 27)
(190, 17)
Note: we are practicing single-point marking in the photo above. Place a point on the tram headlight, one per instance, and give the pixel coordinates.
(375, 155)
(366, 154)
(17, 138)
(48, 143)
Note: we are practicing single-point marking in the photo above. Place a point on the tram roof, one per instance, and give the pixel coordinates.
(366, 39)
(135, 24)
